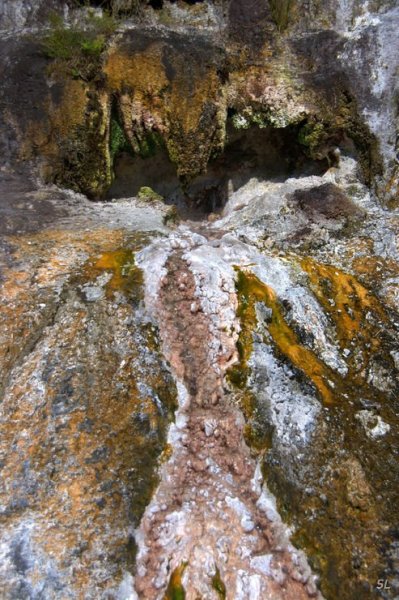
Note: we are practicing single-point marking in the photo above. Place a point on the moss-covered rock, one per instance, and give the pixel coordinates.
(174, 87)
(148, 195)
(172, 217)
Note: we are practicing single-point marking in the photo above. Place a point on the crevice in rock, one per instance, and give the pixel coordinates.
(264, 152)
(156, 4)
(208, 512)
(132, 172)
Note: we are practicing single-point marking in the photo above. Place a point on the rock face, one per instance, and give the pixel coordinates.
(86, 367)
(329, 70)
(209, 407)
(17, 14)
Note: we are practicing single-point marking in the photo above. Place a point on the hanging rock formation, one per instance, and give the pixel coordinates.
(173, 78)
(199, 394)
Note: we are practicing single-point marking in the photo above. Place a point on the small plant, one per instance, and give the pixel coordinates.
(281, 12)
(80, 48)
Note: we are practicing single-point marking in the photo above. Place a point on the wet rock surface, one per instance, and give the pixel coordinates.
(86, 401)
(271, 331)
(210, 518)
(207, 407)
(315, 374)
(319, 463)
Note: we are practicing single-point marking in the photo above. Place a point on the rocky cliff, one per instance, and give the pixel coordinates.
(328, 72)
(199, 268)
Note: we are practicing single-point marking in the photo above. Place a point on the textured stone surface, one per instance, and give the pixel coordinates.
(301, 277)
(307, 318)
(158, 384)
(86, 399)
(332, 69)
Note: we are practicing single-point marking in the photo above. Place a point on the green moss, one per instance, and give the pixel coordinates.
(173, 151)
(79, 47)
(260, 119)
(218, 585)
(62, 43)
(118, 141)
(312, 134)
(148, 194)
(145, 146)
(281, 10)
(248, 117)
(238, 375)
(150, 144)
(94, 46)
(83, 162)
(175, 589)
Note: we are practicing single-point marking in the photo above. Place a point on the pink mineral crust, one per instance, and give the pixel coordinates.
(209, 511)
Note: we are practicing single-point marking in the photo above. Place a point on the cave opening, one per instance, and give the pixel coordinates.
(266, 153)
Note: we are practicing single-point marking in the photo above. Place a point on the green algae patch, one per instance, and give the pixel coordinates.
(175, 589)
(218, 585)
(118, 141)
(239, 373)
